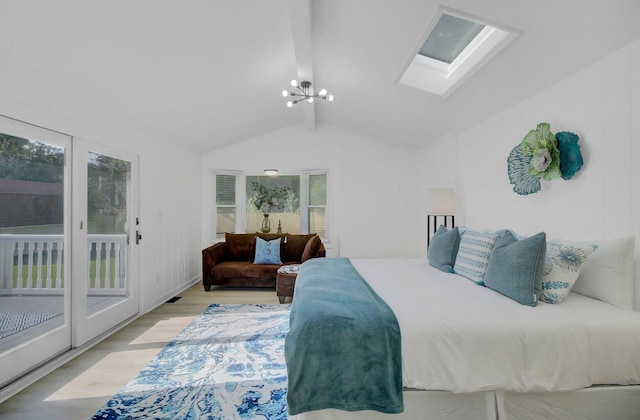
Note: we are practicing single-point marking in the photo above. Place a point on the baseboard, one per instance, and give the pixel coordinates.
(170, 294)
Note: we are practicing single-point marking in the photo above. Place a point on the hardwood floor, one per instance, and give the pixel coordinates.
(81, 386)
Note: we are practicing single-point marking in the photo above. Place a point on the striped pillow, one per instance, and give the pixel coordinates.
(474, 254)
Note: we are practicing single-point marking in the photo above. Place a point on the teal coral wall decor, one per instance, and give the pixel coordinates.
(541, 154)
(570, 155)
(523, 182)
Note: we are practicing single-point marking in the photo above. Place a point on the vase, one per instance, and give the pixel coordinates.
(266, 224)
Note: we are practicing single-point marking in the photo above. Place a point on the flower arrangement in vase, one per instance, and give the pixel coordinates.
(266, 199)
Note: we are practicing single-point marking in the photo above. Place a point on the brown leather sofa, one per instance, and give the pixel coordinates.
(230, 263)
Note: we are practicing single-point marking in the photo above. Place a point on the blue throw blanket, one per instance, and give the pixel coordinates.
(343, 346)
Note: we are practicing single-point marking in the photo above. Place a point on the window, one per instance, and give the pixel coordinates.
(298, 203)
(452, 49)
(318, 204)
(278, 197)
(225, 204)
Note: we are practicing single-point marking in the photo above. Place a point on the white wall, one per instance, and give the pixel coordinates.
(601, 104)
(439, 168)
(169, 187)
(170, 222)
(372, 196)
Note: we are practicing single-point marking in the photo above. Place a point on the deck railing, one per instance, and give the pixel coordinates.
(34, 264)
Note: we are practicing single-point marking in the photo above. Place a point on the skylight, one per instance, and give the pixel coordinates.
(449, 37)
(452, 49)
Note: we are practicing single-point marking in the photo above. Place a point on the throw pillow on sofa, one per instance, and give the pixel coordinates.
(267, 252)
(294, 246)
(311, 248)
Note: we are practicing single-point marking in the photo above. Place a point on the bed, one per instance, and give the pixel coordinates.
(468, 352)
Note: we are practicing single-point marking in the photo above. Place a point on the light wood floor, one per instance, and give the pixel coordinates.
(80, 387)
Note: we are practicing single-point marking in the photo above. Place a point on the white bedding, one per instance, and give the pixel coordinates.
(460, 337)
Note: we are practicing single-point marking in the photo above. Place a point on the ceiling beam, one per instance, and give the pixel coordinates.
(300, 22)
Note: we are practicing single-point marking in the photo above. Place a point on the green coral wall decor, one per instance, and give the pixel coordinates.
(543, 155)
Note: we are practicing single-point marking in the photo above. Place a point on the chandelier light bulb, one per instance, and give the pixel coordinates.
(303, 91)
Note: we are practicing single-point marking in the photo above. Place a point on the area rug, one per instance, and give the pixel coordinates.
(14, 322)
(226, 364)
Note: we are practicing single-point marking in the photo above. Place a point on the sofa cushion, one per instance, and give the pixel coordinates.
(269, 236)
(240, 246)
(261, 271)
(294, 247)
(229, 269)
(243, 269)
(311, 248)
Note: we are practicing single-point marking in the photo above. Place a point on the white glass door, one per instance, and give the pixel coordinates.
(35, 203)
(105, 284)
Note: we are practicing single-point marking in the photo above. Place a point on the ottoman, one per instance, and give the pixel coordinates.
(286, 281)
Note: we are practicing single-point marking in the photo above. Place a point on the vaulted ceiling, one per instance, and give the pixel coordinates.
(207, 73)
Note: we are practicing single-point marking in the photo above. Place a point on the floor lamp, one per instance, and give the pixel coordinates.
(441, 208)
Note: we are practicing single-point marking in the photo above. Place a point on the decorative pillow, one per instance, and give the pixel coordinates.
(608, 273)
(562, 266)
(516, 266)
(267, 252)
(294, 246)
(443, 249)
(311, 248)
(474, 253)
(289, 269)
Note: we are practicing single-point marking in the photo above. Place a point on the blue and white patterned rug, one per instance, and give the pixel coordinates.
(14, 322)
(227, 364)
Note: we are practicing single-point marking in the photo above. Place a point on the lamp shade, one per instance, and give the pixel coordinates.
(441, 201)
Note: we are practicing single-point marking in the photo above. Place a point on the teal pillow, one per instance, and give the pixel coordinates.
(443, 249)
(516, 266)
(267, 252)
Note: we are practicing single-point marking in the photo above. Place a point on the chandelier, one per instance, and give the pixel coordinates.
(304, 93)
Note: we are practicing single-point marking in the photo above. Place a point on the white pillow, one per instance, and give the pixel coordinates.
(562, 265)
(608, 273)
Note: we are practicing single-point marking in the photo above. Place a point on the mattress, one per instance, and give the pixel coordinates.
(464, 338)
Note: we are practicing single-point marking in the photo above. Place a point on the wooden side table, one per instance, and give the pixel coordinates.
(286, 281)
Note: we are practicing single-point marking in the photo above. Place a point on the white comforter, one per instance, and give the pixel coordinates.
(460, 337)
